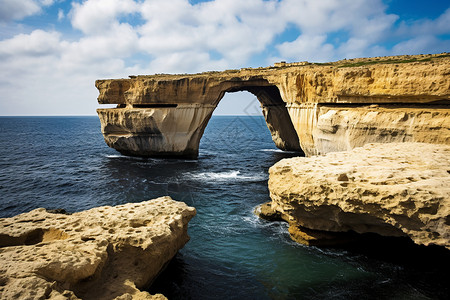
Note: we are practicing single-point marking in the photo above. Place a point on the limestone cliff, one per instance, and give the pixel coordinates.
(101, 253)
(395, 189)
(343, 128)
(167, 114)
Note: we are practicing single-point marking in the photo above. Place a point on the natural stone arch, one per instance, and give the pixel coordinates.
(169, 118)
(276, 115)
(332, 107)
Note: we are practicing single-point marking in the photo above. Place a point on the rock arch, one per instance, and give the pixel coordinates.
(168, 118)
(276, 115)
(310, 107)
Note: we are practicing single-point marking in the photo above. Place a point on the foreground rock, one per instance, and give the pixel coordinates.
(310, 107)
(398, 189)
(101, 253)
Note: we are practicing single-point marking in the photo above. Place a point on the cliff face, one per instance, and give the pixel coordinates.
(395, 189)
(310, 107)
(164, 131)
(101, 253)
(343, 128)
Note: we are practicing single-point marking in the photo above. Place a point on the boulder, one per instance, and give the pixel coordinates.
(102, 253)
(394, 189)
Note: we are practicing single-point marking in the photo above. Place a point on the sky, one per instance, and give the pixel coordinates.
(52, 51)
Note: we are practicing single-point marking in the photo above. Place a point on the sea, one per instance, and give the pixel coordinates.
(63, 162)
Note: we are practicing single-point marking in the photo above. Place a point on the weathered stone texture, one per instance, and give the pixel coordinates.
(101, 253)
(295, 98)
(342, 129)
(394, 189)
(166, 131)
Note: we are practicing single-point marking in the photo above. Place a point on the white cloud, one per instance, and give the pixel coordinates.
(42, 73)
(443, 23)
(426, 26)
(194, 61)
(307, 47)
(60, 15)
(118, 43)
(39, 43)
(49, 71)
(47, 2)
(353, 47)
(235, 29)
(421, 45)
(17, 9)
(97, 16)
(319, 17)
(364, 23)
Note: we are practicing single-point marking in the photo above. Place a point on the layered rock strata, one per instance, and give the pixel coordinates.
(344, 128)
(316, 108)
(393, 189)
(102, 253)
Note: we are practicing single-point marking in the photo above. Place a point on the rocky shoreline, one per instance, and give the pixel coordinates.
(393, 190)
(396, 189)
(102, 253)
(383, 125)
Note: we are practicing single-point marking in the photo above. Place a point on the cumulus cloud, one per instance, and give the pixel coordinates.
(364, 22)
(60, 14)
(19, 9)
(38, 43)
(307, 47)
(97, 16)
(234, 29)
(114, 38)
(420, 45)
(16, 10)
(441, 25)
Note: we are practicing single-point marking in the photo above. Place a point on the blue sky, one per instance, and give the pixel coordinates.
(52, 51)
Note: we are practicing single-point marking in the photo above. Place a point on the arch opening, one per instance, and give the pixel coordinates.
(275, 114)
(169, 119)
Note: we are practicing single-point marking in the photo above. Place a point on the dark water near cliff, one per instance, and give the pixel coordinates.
(63, 162)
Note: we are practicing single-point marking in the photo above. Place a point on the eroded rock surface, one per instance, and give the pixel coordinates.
(342, 129)
(101, 253)
(165, 115)
(393, 189)
(166, 131)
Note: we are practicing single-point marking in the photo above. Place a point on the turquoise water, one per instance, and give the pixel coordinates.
(63, 162)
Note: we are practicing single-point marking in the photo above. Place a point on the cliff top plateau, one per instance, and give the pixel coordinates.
(406, 78)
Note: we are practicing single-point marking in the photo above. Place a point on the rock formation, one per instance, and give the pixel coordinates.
(101, 253)
(312, 107)
(395, 189)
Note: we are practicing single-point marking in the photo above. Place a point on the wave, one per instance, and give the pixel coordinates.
(275, 230)
(115, 156)
(150, 159)
(277, 151)
(226, 176)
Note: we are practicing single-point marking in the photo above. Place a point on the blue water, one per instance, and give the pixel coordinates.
(63, 162)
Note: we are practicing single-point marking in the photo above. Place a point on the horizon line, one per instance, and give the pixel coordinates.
(92, 115)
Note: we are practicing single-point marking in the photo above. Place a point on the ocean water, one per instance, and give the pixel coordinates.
(63, 162)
